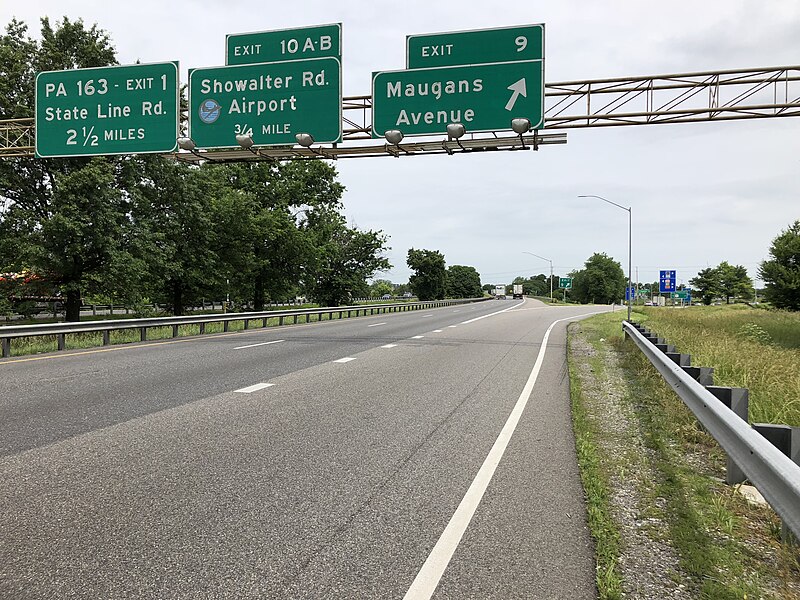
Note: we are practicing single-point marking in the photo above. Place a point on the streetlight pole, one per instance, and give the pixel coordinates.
(551, 271)
(630, 234)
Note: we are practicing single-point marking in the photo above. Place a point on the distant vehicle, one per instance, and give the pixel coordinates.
(408, 295)
(517, 290)
(500, 292)
(386, 297)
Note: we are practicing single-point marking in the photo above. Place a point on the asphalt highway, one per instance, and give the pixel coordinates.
(420, 454)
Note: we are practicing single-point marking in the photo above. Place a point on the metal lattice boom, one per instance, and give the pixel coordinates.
(678, 98)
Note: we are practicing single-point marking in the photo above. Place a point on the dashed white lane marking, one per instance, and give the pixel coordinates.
(346, 359)
(452, 326)
(376, 324)
(456, 311)
(425, 316)
(389, 346)
(417, 337)
(261, 344)
(427, 579)
(254, 388)
(437, 331)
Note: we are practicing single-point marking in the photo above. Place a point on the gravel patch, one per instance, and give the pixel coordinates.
(649, 564)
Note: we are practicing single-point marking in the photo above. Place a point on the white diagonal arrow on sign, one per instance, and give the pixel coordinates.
(519, 89)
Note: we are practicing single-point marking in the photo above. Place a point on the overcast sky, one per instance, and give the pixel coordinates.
(700, 193)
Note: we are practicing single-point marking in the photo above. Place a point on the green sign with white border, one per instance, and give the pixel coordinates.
(481, 97)
(316, 41)
(128, 109)
(271, 102)
(565, 282)
(478, 46)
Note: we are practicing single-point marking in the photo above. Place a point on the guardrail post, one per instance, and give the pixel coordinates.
(295, 319)
(202, 328)
(264, 322)
(6, 347)
(94, 310)
(787, 440)
(738, 400)
(682, 360)
(61, 341)
(143, 333)
(247, 323)
(174, 331)
(665, 348)
(225, 325)
(106, 337)
(703, 375)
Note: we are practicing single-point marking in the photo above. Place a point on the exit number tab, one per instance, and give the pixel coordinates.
(318, 41)
(479, 46)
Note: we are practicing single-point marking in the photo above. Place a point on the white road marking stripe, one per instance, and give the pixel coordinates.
(456, 311)
(346, 359)
(254, 388)
(417, 337)
(376, 324)
(389, 346)
(437, 331)
(452, 326)
(261, 344)
(427, 579)
(494, 313)
(424, 316)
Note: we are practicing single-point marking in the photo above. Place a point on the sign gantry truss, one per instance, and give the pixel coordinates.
(678, 98)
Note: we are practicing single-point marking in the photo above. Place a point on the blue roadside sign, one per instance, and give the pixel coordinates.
(666, 281)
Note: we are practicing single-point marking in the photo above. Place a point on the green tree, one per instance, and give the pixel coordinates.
(708, 284)
(343, 258)
(65, 217)
(429, 280)
(734, 281)
(781, 273)
(285, 195)
(380, 287)
(601, 281)
(463, 282)
(173, 210)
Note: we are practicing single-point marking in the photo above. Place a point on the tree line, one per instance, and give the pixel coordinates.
(142, 229)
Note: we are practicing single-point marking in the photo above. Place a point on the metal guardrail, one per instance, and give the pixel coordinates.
(60, 330)
(773, 473)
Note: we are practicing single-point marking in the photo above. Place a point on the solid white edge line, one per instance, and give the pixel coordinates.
(495, 313)
(426, 581)
(254, 388)
(259, 344)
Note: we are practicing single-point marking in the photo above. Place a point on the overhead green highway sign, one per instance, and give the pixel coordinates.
(107, 110)
(317, 41)
(482, 97)
(522, 42)
(270, 102)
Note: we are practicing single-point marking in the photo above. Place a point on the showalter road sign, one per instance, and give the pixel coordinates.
(271, 102)
(107, 110)
(481, 97)
(287, 44)
(523, 42)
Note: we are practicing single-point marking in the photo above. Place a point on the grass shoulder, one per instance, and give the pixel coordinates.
(664, 523)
